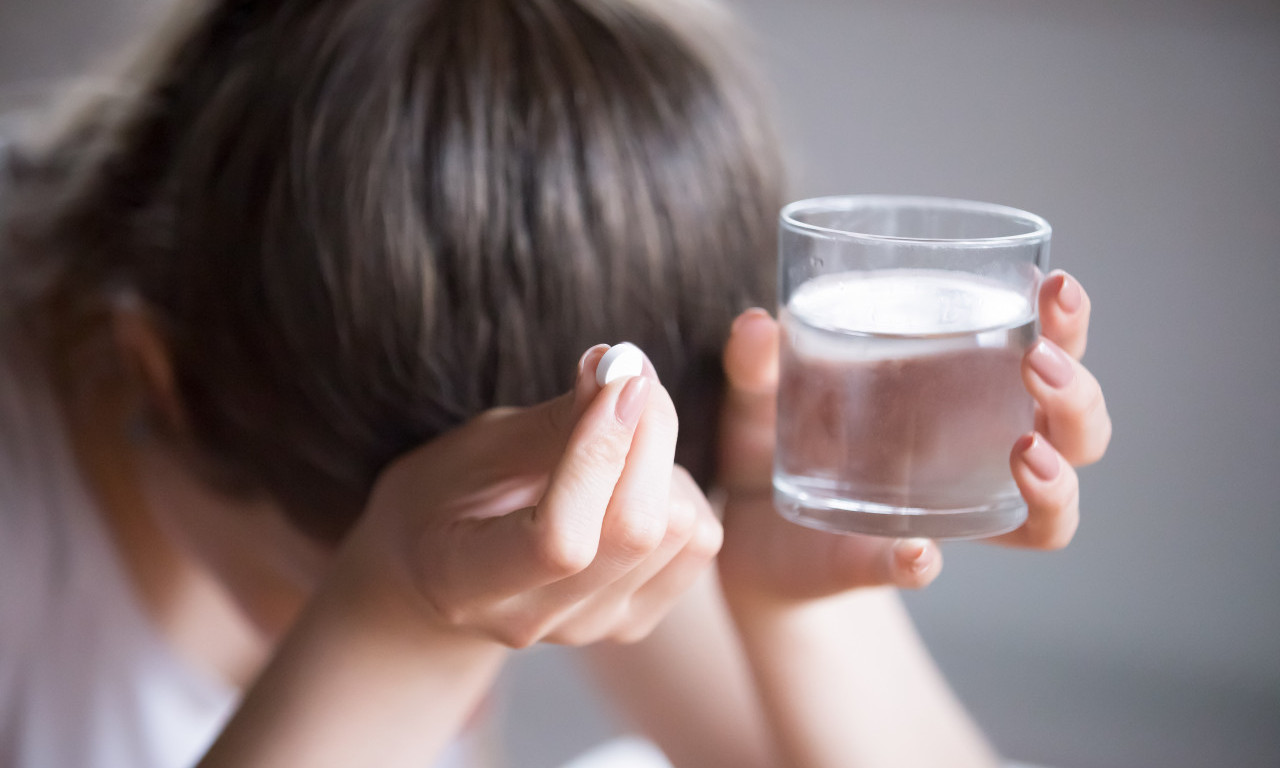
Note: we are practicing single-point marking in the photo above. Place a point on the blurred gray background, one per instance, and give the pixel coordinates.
(1148, 133)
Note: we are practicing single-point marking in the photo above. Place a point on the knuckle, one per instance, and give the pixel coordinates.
(1093, 426)
(1093, 451)
(1102, 440)
(1093, 402)
(1055, 526)
(606, 452)
(516, 631)
(682, 519)
(516, 638)
(562, 554)
(636, 533)
(689, 507)
(447, 612)
(631, 635)
(572, 636)
(450, 614)
(707, 539)
(634, 628)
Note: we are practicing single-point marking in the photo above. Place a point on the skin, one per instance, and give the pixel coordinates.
(568, 522)
(836, 672)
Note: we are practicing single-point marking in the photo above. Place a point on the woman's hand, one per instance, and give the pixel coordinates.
(1072, 424)
(566, 522)
(766, 556)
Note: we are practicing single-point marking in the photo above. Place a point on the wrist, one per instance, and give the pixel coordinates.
(375, 588)
(363, 677)
(750, 602)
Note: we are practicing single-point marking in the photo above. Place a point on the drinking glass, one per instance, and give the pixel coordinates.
(904, 323)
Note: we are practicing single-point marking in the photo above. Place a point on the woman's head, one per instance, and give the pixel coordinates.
(357, 223)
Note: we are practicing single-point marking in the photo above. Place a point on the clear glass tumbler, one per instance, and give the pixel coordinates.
(904, 322)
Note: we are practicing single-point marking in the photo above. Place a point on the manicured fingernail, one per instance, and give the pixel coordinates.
(632, 400)
(1039, 456)
(912, 553)
(1052, 364)
(746, 317)
(1068, 293)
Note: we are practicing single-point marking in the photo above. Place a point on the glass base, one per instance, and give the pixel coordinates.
(838, 515)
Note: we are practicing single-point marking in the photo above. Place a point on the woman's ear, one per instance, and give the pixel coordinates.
(145, 355)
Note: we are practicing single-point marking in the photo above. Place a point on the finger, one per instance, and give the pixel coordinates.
(515, 449)
(1064, 312)
(831, 563)
(693, 537)
(873, 561)
(655, 599)
(1073, 410)
(512, 553)
(639, 514)
(1052, 492)
(750, 407)
(572, 512)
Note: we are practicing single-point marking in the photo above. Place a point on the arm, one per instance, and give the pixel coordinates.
(691, 669)
(848, 682)
(746, 702)
(843, 675)
(549, 523)
(359, 681)
(838, 674)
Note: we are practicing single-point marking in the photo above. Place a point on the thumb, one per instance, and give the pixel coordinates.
(750, 405)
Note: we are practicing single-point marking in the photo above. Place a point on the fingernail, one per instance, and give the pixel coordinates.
(1068, 293)
(1051, 364)
(746, 317)
(1039, 456)
(632, 400)
(911, 553)
(582, 361)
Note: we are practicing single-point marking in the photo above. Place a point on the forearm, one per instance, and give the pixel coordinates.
(691, 670)
(846, 681)
(358, 681)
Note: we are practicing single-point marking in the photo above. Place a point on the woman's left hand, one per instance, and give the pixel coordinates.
(766, 556)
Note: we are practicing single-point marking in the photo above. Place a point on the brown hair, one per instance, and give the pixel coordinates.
(362, 222)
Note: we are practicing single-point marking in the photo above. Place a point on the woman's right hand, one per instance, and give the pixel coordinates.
(566, 522)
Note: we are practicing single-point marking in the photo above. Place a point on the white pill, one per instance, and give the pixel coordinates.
(620, 361)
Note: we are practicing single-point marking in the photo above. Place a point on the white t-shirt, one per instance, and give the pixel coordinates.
(85, 678)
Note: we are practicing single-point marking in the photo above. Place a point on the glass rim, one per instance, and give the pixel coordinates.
(1042, 230)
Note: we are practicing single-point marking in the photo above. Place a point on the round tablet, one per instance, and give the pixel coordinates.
(620, 361)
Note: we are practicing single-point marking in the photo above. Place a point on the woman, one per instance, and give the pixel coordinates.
(306, 301)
